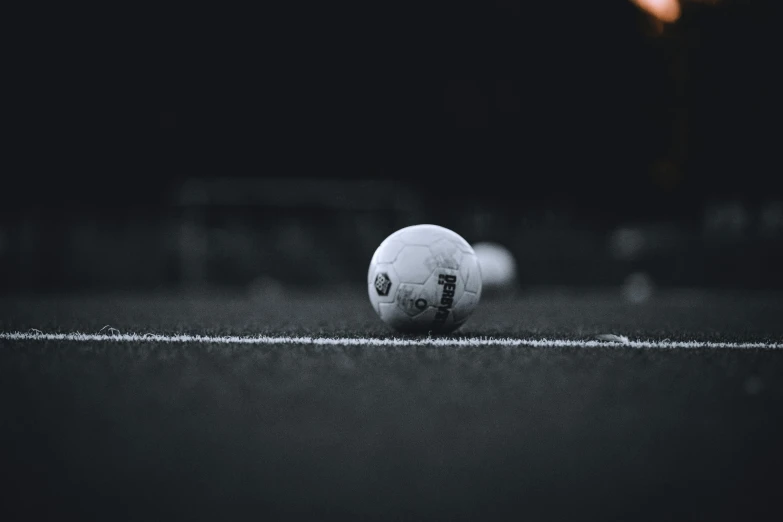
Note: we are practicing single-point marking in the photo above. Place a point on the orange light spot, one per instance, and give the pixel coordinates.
(664, 10)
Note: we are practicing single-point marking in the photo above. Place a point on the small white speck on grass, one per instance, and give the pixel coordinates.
(613, 338)
(110, 330)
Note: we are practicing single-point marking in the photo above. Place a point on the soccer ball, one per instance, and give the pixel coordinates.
(424, 278)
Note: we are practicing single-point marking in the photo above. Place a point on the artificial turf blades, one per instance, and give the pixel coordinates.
(144, 430)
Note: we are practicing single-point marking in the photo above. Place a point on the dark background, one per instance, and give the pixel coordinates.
(277, 147)
(286, 142)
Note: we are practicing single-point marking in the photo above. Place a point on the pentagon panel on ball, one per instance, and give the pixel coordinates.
(424, 279)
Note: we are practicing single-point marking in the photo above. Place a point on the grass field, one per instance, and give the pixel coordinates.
(145, 429)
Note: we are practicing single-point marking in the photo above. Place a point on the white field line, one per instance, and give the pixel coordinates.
(370, 341)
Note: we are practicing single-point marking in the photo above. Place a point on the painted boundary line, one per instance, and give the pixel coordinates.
(370, 341)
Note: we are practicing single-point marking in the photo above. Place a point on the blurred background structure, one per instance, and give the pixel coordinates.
(603, 143)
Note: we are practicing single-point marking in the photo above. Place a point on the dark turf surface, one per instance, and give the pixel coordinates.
(141, 431)
(574, 314)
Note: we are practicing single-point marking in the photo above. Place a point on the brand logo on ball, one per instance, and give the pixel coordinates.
(382, 284)
(446, 299)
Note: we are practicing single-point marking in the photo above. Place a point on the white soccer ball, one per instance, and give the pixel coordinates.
(424, 278)
(498, 266)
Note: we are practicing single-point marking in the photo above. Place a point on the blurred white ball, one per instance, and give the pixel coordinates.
(424, 278)
(497, 264)
(638, 287)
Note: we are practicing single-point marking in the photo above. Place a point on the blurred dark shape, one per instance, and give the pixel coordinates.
(261, 236)
(667, 174)
(589, 147)
(627, 242)
(300, 193)
(726, 221)
(771, 220)
(298, 232)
